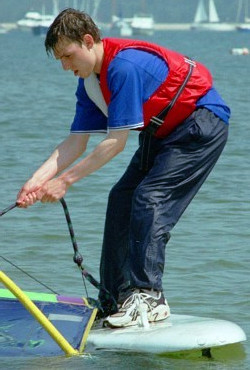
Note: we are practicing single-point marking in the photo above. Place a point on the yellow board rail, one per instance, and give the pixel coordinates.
(38, 315)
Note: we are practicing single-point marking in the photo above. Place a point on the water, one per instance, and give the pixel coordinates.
(207, 271)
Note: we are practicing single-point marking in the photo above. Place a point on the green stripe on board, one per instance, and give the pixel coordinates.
(44, 297)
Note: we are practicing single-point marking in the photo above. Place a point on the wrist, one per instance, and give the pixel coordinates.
(66, 179)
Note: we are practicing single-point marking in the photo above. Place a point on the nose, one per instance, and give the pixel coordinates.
(65, 64)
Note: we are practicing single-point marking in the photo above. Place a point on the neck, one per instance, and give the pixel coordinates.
(99, 51)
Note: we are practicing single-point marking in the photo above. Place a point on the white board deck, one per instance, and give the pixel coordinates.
(177, 333)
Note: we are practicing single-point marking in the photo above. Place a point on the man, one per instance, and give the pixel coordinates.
(125, 85)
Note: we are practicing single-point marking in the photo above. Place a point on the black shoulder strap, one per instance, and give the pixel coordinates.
(156, 121)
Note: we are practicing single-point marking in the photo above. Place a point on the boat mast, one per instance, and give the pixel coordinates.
(239, 10)
(55, 7)
(247, 19)
(95, 9)
(243, 8)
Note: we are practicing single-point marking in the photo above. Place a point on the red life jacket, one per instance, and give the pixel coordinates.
(198, 85)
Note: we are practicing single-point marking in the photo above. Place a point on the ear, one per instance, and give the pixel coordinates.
(88, 41)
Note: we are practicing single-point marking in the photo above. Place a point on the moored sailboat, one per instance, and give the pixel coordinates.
(245, 26)
(210, 20)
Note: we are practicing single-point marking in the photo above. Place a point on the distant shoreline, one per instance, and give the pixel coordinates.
(157, 26)
(172, 26)
(8, 26)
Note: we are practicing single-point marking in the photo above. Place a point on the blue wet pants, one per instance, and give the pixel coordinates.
(161, 180)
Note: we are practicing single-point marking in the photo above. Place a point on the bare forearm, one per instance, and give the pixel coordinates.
(63, 156)
(46, 187)
(101, 155)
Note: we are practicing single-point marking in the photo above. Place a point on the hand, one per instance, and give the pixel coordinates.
(27, 200)
(52, 191)
(27, 195)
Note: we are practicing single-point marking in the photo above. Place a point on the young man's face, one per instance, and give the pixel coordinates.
(80, 59)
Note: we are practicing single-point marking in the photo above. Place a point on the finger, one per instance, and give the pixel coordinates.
(21, 196)
(21, 205)
(29, 200)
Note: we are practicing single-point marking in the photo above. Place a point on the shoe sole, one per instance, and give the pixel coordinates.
(156, 317)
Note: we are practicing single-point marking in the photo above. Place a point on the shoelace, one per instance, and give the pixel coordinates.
(138, 299)
(143, 298)
(129, 302)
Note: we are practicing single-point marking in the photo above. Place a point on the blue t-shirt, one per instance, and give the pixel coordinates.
(133, 76)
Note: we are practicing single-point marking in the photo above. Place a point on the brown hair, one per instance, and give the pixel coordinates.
(73, 25)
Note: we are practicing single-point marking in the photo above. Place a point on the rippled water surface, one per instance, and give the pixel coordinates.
(207, 271)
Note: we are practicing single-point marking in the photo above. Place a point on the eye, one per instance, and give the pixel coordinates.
(65, 56)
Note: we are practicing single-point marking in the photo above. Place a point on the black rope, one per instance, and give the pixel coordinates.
(29, 275)
(8, 209)
(78, 259)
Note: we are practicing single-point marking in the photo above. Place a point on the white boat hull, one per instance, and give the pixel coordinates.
(243, 28)
(240, 51)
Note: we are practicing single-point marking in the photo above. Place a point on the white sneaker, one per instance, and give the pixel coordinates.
(130, 312)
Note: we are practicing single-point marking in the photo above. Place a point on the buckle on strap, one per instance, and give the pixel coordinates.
(154, 124)
(190, 61)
